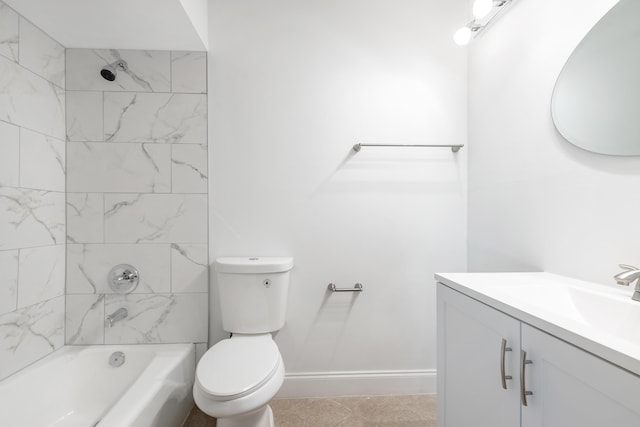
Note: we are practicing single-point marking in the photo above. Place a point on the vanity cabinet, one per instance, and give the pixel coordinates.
(470, 337)
(574, 388)
(569, 386)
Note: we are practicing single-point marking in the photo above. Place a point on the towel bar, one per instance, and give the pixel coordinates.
(356, 288)
(454, 147)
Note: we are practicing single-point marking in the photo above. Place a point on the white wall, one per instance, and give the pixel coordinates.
(537, 202)
(293, 85)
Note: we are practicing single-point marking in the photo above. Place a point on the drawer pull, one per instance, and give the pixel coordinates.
(523, 389)
(503, 377)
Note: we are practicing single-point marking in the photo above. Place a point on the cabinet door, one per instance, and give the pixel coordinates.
(470, 392)
(574, 388)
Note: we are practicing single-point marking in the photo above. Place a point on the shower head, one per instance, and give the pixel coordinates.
(110, 71)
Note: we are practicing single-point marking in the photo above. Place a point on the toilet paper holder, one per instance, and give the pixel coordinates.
(356, 288)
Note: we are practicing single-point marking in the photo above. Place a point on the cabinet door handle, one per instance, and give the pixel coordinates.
(523, 389)
(503, 377)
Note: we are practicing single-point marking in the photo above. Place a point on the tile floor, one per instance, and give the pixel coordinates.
(374, 411)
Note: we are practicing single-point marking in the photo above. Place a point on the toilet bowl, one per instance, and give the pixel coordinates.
(237, 377)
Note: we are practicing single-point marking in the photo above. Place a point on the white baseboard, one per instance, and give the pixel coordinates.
(360, 383)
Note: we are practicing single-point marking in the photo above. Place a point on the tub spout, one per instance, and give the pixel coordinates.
(119, 314)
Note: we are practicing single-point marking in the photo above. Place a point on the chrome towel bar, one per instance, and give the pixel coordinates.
(356, 288)
(454, 147)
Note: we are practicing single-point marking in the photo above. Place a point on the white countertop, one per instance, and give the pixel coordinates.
(600, 319)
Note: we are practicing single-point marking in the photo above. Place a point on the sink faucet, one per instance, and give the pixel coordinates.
(119, 314)
(627, 276)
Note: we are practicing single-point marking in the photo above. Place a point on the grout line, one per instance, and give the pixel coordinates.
(66, 185)
(31, 247)
(104, 222)
(63, 296)
(102, 121)
(136, 91)
(38, 131)
(171, 71)
(20, 157)
(19, 38)
(171, 168)
(131, 192)
(44, 190)
(126, 142)
(17, 280)
(170, 268)
(116, 243)
(104, 318)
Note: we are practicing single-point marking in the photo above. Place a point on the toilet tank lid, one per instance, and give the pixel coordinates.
(253, 264)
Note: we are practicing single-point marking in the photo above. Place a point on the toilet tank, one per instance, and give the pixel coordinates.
(253, 293)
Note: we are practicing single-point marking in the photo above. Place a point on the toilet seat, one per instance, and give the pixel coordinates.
(236, 367)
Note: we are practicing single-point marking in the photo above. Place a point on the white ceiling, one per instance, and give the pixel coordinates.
(120, 24)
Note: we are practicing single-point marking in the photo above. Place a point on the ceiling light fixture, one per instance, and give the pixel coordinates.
(462, 37)
(484, 11)
(481, 8)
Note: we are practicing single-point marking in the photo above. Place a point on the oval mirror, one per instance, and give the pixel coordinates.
(596, 100)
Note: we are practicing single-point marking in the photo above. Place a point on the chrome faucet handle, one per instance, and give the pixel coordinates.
(627, 276)
(127, 276)
(123, 278)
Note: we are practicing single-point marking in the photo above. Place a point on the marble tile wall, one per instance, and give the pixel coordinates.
(137, 194)
(32, 193)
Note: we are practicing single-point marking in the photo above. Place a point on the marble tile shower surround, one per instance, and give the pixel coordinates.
(137, 194)
(134, 162)
(32, 192)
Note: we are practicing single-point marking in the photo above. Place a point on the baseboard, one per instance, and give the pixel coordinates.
(358, 383)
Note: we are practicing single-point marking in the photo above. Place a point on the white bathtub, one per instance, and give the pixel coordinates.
(76, 387)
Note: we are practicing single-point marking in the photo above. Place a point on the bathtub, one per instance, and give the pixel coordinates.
(77, 387)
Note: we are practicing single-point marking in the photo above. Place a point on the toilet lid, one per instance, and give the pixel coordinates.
(236, 366)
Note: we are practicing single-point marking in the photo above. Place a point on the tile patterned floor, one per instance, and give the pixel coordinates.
(374, 411)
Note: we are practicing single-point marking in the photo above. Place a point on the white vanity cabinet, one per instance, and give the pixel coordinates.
(470, 340)
(570, 387)
(574, 388)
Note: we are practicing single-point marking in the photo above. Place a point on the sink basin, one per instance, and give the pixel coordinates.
(607, 309)
(610, 313)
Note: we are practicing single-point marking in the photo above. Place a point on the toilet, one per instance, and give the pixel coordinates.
(238, 376)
